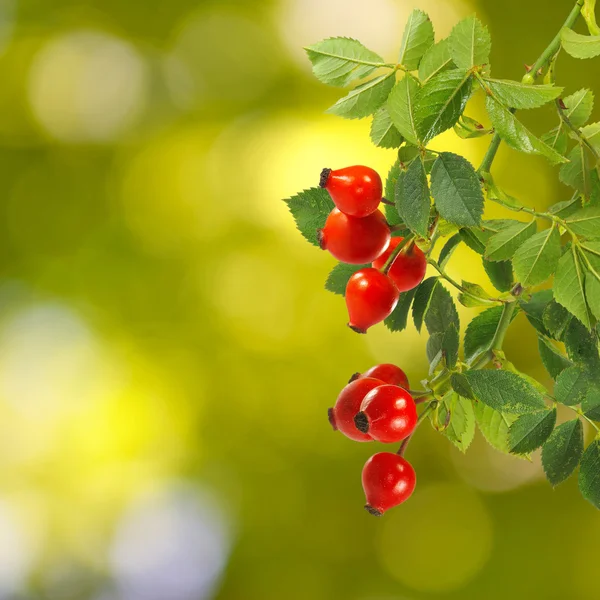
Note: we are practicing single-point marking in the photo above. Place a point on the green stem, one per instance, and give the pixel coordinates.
(530, 77)
(582, 139)
(421, 418)
(405, 246)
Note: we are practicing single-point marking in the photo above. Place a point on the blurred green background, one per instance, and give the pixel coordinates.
(167, 349)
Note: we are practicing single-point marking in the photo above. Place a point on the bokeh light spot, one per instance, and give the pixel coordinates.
(87, 86)
(446, 519)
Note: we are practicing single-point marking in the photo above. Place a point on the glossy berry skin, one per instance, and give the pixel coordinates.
(356, 191)
(352, 240)
(408, 269)
(388, 480)
(388, 414)
(370, 298)
(389, 374)
(341, 416)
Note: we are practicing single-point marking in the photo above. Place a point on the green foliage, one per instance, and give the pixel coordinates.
(530, 431)
(580, 46)
(441, 101)
(401, 108)
(480, 331)
(572, 385)
(339, 276)
(441, 312)
(536, 260)
(412, 198)
(383, 132)
(569, 286)
(553, 360)
(435, 60)
(398, 320)
(520, 95)
(586, 222)
(461, 428)
(579, 106)
(456, 191)
(470, 43)
(422, 300)
(493, 425)
(534, 308)
(562, 452)
(589, 474)
(503, 245)
(417, 39)
(364, 99)
(339, 61)
(310, 210)
(500, 274)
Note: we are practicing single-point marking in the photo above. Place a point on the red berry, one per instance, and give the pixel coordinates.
(388, 480)
(408, 269)
(370, 297)
(389, 373)
(341, 416)
(388, 414)
(356, 191)
(352, 240)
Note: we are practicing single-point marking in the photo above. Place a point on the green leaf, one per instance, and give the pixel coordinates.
(520, 95)
(417, 39)
(569, 286)
(591, 405)
(581, 345)
(473, 295)
(589, 474)
(588, 12)
(576, 173)
(557, 139)
(456, 190)
(572, 385)
(493, 425)
(441, 101)
(461, 429)
(504, 391)
(398, 320)
(530, 431)
(310, 210)
(552, 359)
(448, 249)
(566, 208)
(480, 331)
(441, 312)
(364, 99)
(401, 108)
(435, 60)
(391, 214)
(340, 60)
(434, 352)
(538, 257)
(556, 319)
(503, 245)
(470, 43)
(580, 46)
(339, 276)
(586, 222)
(412, 198)
(422, 300)
(383, 132)
(592, 134)
(534, 308)
(450, 346)
(500, 274)
(562, 452)
(579, 107)
(468, 128)
(515, 134)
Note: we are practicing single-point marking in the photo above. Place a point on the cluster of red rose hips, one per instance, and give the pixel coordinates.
(376, 406)
(356, 232)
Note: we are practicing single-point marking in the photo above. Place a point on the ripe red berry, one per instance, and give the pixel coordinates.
(388, 480)
(389, 374)
(408, 269)
(388, 414)
(370, 297)
(356, 190)
(341, 416)
(352, 240)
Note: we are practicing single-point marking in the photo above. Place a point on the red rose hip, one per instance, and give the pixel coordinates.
(347, 405)
(388, 480)
(352, 240)
(389, 374)
(356, 191)
(408, 269)
(388, 414)
(370, 297)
